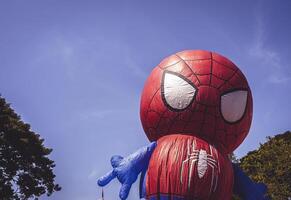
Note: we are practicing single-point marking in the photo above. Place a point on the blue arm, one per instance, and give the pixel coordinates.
(126, 170)
(245, 188)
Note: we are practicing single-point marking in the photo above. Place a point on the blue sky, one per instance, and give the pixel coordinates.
(75, 70)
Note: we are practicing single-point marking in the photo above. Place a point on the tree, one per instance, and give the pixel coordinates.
(234, 159)
(25, 169)
(271, 164)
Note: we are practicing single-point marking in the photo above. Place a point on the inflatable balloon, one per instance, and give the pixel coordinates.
(196, 108)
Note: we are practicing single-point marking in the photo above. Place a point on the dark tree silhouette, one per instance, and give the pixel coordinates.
(25, 169)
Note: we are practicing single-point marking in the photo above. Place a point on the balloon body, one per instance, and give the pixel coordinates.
(190, 168)
(196, 108)
(197, 93)
(197, 105)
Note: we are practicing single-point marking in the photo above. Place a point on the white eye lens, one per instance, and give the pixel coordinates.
(177, 92)
(233, 105)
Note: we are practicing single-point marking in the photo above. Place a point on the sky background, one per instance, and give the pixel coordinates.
(75, 71)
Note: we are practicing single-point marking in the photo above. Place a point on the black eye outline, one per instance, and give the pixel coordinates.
(247, 102)
(163, 93)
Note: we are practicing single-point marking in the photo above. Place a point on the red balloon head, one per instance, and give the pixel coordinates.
(197, 93)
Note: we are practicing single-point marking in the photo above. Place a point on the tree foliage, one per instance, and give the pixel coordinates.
(271, 164)
(25, 169)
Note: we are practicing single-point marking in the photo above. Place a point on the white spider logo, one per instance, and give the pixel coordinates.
(203, 161)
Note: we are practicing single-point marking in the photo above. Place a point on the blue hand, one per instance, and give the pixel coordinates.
(126, 170)
(246, 188)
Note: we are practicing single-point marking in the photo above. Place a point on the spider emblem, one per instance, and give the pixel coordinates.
(203, 160)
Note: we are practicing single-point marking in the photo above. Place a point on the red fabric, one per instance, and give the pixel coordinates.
(212, 75)
(173, 170)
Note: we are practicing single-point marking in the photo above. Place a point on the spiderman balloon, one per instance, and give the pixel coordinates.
(196, 109)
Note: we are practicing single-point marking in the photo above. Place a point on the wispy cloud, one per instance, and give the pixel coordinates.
(279, 78)
(93, 174)
(267, 56)
(100, 114)
(134, 67)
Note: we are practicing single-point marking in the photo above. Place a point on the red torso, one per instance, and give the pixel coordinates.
(186, 166)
